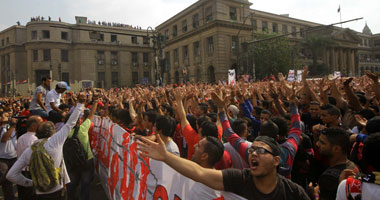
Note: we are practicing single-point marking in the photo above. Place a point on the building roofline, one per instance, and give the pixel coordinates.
(286, 17)
(13, 27)
(188, 9)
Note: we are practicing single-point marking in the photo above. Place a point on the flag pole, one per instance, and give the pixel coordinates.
(340, 15)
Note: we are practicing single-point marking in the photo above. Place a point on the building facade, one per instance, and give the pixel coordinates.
(205, 40)
(200, 43)
(80, 54)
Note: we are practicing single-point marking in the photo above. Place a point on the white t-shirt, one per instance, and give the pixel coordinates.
(172, 147)
(8, 148)
(24, 142)
(52, 97)
(370, 191)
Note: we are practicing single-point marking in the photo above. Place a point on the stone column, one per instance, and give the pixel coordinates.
(327, 60)
(352, 62)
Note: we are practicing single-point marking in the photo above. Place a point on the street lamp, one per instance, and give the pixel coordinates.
(157, 45)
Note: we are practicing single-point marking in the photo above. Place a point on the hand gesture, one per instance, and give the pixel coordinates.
(218, 100)
(361, 120)
(374, 77)
(150, 149)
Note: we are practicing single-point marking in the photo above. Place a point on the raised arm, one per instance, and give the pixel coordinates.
(180, 109)
(209, 177)
(353, 100)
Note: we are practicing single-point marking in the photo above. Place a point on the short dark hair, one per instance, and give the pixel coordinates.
(202, 119)
(239, 125)
(31, 120)
(339, 137)
(269, 128)
(166, 125)
(169, 109)
(56, 116)
(258, 110)
(192, 121)
(282, 125)
(213, 117)
(331, 109)
(125, 117)
(213, 106)
(371, 149)
(209, 129)
(373, 125)
(203, 107)
(152, 116)
(45, 78)
(367, 113)
(266, 112)
(45, 130)
(215, 150)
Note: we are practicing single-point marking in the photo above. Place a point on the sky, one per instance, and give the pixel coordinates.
(146, 13)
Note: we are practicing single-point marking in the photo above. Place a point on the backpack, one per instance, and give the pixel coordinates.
(44, 174)
(74, 153)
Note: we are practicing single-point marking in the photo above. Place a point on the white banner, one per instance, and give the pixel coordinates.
(299, 75)
(291, 77)
(126, 175)
(231, 77)
(337, 74)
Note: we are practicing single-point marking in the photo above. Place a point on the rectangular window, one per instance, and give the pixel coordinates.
(195, 20)
(2, 42)
(45, 34)
(175, 55)
(134, 40)
(64, 35)
(233, 13)
(264, 27)
(64, 55)
(113, 38)
(146, 40)
(167, 34)
(101, 57)
(275, 28)
(146, 75)
(284, 29)
(66, 77)
(175, 30)
(101, 79)
(167, 61)
(134, 57)
(34, 35)
(35, 55)
(208, 14)
(294, 31)
(235, 45)
(46, 54)
(197, 51)
(7, 40)
(145, 57)
(115, 79)
(210, 45)
(185, 51)
(302, 32)
(254, 24)
(114, 58)
(101, 37)
(184, 26)
(135, 77)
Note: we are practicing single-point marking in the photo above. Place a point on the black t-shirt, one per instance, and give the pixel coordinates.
(241, 183)
(329, 180)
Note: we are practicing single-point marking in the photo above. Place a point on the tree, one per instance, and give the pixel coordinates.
(274, 55)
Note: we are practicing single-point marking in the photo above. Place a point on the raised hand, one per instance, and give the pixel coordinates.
(219, 101)
(374, 77)
(150, 149)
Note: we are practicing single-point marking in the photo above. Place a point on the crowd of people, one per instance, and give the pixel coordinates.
(274, 139)
(113, 24)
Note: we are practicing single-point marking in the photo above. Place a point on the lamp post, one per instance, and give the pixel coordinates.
(246, 46)
(157, 45)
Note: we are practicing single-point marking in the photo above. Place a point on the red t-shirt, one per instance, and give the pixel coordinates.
(191, 138)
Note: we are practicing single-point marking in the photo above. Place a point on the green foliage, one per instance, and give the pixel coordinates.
(274, 55)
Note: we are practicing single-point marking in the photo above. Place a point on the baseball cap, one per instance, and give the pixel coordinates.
(63, 85)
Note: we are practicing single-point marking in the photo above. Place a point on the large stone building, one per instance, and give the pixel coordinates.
(204, 41)
(200, 44)
(104, 55)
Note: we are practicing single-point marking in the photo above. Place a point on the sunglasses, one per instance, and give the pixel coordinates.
(259, 150)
